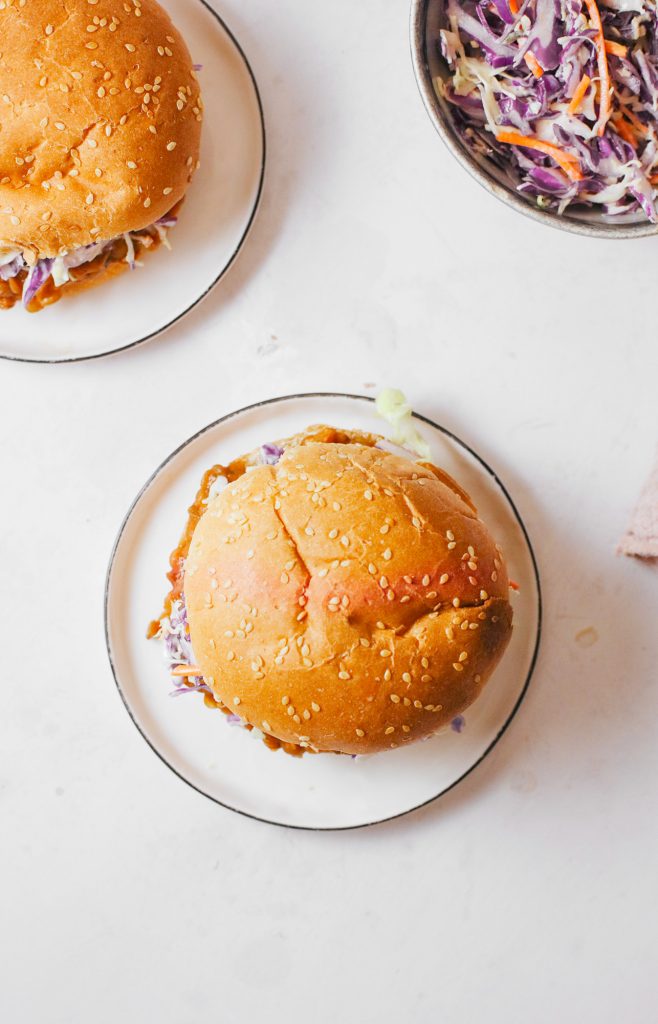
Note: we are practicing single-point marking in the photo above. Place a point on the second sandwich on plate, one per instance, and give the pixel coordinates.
(335, 595)
(101, 124)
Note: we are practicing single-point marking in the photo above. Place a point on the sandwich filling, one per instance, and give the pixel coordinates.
(41, 283)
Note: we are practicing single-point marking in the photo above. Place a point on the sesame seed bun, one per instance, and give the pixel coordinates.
(345, 599)
(101, 121)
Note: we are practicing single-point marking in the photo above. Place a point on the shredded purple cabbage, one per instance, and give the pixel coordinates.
(12, 269)
(270, 454)
(36, 278)
(490, 48)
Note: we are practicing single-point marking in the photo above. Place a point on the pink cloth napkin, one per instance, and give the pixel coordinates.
(641, 537)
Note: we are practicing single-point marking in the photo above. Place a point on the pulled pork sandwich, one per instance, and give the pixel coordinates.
(335, 595)
(101, 123)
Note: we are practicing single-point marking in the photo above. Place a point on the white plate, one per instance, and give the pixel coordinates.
(228, 764)
(218, 211)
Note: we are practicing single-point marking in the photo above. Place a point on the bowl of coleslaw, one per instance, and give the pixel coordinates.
(551, 105)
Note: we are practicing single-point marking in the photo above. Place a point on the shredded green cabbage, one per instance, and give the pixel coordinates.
(394, 408)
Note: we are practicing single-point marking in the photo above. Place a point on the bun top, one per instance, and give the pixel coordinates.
(345, 599)
(101, 121)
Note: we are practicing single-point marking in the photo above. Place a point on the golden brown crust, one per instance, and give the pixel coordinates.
(346, 598)
(101, 121)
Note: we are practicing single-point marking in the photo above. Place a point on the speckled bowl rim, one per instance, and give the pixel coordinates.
(444, 126)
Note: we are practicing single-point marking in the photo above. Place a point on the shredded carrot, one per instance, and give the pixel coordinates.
(579, 95)
(635, 121)
(513, 585)
(653, 178)
(514, 6)
(625, 131)
(533, 64)
(602, 62)
(616, 49)
(566, 161)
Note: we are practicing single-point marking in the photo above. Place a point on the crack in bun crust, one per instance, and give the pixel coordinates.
(101, 121)
(345, 599)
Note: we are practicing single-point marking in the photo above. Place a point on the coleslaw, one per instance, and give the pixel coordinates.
(561, 95)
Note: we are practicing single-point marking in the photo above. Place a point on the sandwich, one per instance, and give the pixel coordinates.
(334, 593)
(101, 122)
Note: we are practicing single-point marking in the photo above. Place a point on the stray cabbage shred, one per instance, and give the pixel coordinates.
(394, 408)
(560, 94)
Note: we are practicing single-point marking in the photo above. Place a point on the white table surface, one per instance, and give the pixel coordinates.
(528, 894)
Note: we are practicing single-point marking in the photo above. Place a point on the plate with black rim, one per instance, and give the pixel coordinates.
(234, 767)
(214, 221)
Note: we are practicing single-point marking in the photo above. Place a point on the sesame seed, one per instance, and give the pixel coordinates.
(406, 678)
(444, 578)
(388, 554)
(425, 581)
(472, 580)
(266, 725)
(129, 47)
(483, 595)
(395, 698)
(359, 732)
(367, 495)
(458, 667)
(383, 582)
(60, 127)
(171, 145)
(49, 30)
(450, 535)
(291, 710)
(384, 529)
(343, 675)
(389, 730)
(147, 202)
(167, 191)
(98, 172)
(406, 728)
(456, 602)
(385, 654)
(306, 715)
(418, 704)
(89, 198)
(426, 679)
(236, 701)
(230, 655)
(463, 656)
(315, 707)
